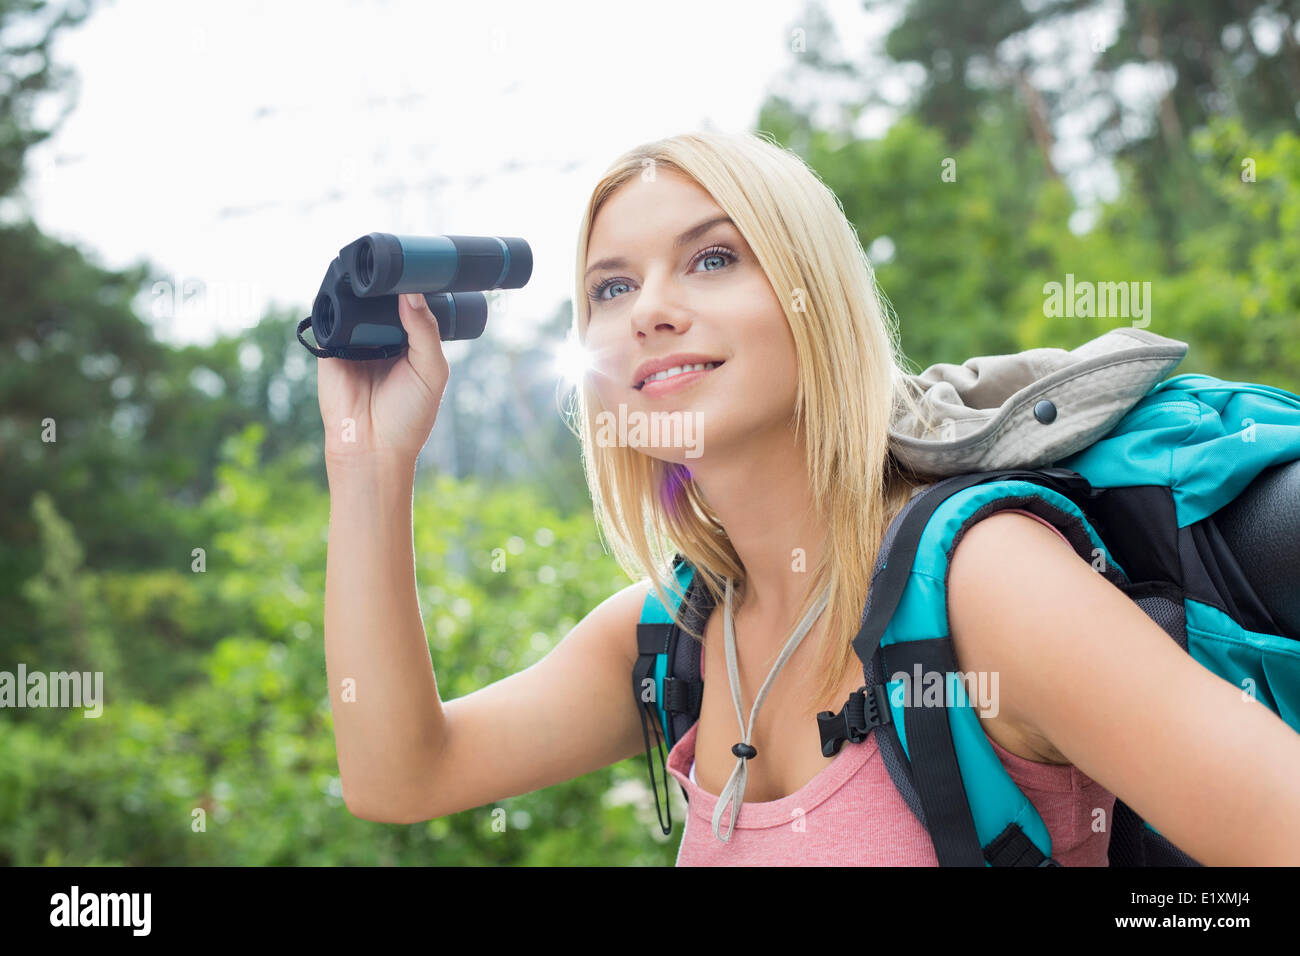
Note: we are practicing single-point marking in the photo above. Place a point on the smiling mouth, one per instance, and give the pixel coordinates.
(669, 374)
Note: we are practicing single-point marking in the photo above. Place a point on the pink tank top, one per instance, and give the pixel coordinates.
(851, 814)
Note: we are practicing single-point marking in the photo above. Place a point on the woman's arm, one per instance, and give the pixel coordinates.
(377, 415)
(404, 754)
(1080, 665)
(388, 718)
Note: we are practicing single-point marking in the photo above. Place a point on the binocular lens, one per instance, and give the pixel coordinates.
(322, 318)
(365, 276)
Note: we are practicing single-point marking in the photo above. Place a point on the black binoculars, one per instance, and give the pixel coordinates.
(354, 315)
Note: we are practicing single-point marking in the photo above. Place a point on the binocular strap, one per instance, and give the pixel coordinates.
(348, 352)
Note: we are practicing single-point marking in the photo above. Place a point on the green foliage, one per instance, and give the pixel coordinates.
(241, 730)
(973, 252)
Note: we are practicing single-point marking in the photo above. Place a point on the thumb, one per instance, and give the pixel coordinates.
(423, 338)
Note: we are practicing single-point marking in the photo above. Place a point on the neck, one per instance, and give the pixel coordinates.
(763, 499)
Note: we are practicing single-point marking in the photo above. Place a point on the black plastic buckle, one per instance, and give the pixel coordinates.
(1012, 847)
(865, 709)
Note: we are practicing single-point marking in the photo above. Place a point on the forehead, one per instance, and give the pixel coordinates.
(642, 208)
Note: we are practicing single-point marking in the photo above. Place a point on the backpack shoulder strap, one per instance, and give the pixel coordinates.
(939, 757)
(666, 676)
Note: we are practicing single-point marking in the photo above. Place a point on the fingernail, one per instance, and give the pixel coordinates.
(414, 299)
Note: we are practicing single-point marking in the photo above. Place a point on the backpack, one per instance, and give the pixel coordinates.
(1186, 498)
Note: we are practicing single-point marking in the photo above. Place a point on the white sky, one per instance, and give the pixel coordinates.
(241, 143)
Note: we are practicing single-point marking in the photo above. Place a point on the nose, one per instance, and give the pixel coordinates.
(660, 305)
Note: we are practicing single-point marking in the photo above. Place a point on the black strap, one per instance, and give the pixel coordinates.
(682, 696)
(934, 758)
(937, 776)
(652, 640)
(355, 353)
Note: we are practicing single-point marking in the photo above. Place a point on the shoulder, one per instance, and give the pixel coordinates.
(631, 599)
(1010, 577)
(1001, 560)
(1013, 542)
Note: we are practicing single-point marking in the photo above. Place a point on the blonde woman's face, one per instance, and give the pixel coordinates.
(659, 287)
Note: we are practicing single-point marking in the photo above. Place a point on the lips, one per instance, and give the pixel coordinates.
(670, 362)
(657, 388)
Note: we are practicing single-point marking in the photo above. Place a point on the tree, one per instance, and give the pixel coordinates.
(27, 74)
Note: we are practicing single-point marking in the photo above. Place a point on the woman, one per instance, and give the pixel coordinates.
(720, 286)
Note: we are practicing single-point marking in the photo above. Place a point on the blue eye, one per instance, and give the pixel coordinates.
(716, 255)
(597, 291)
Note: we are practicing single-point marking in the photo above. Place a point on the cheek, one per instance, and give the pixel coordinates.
(604, 373)
(768, 337)
(603, 390)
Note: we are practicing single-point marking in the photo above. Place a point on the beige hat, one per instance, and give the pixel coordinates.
(1029, 409)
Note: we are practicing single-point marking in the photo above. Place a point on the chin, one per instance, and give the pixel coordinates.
(688, 458)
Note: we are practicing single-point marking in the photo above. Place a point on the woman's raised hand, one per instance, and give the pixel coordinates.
(385, 407)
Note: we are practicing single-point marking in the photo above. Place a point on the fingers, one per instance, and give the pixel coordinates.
(423, 340)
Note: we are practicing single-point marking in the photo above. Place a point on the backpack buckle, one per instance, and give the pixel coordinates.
(866, 708)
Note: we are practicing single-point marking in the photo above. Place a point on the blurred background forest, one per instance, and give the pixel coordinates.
(215, 678)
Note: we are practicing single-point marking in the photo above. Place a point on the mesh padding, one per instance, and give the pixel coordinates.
(1169, 614)
(1127, 848)
(1160, 852)
(685, 665)
(900, 771)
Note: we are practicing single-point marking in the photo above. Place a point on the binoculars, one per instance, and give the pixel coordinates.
(354, 315)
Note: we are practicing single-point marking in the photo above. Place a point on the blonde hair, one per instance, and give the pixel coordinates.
(851, 377)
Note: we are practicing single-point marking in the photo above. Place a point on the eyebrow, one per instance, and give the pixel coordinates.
(699, 229)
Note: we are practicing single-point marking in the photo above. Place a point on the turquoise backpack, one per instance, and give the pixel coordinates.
(1190, 505)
